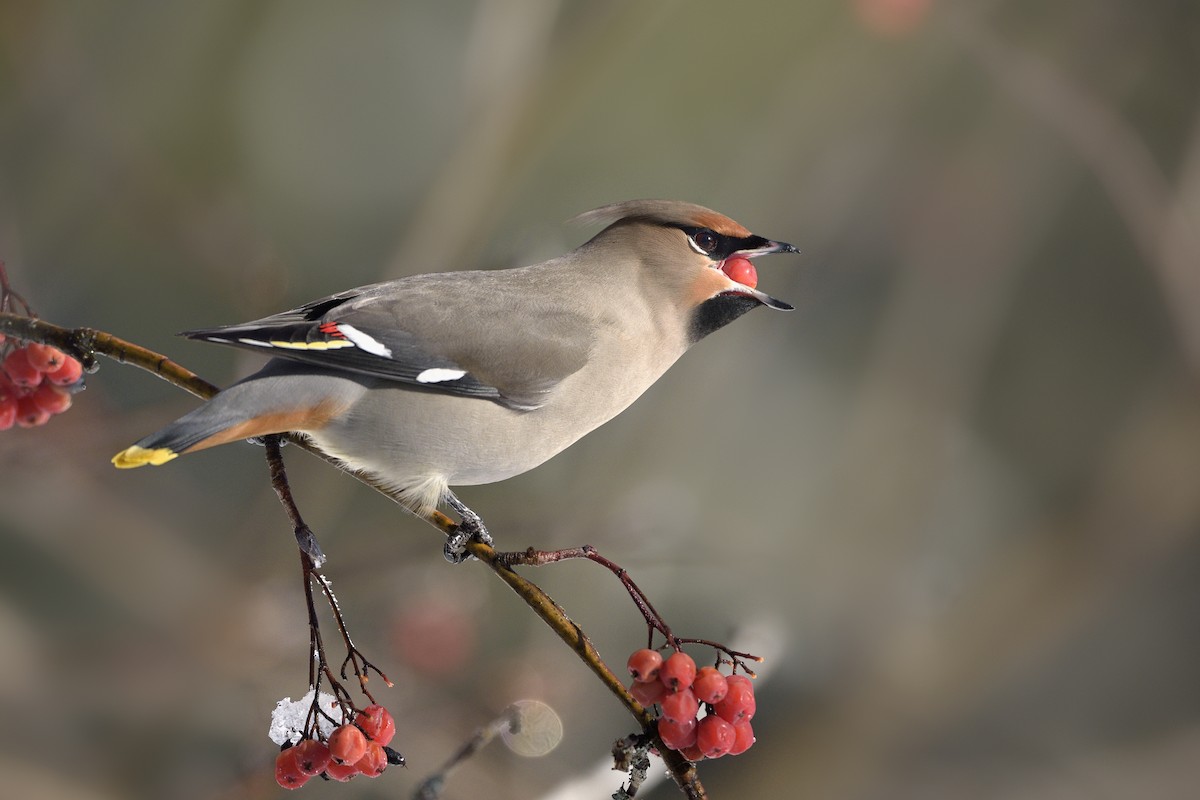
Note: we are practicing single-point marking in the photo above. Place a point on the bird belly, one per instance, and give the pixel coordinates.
(405, 435)
(408, 436)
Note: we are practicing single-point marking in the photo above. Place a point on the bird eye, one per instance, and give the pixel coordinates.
(706, 240)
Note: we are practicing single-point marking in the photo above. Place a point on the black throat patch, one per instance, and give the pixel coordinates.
(717, 312)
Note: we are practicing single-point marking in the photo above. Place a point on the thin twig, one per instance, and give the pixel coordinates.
(311, 558)
(431, 788)
(9, 297)
(654, 620)
(305, 539)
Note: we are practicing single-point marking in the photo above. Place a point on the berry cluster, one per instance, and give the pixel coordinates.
(352, 749)
(36, 382)
(680, 691)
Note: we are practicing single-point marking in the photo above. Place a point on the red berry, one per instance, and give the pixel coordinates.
(648, 693)
(347, 744)
(313, 756)
(377, 723)
(742, 679)
(20, 371)
(678, 671)
(51, 399)
(45, 358)
(714, 736)
(374, 760)
(287, 770)
(741, 271)
(8, 410)
(738, 706)
(70, 372)
(644, 665)
(677, 735)
(340, 772)
(710, 685)
(693, 753)
(680, 706)
(743, 738)
(30, 414)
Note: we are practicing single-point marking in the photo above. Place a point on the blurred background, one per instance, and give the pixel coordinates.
(954, 497)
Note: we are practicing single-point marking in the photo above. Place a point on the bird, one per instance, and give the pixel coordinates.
(464, 378)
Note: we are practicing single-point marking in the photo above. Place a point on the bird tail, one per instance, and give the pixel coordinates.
(180, 436)
(260, 405)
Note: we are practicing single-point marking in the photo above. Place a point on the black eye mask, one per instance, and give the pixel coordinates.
(719, 247)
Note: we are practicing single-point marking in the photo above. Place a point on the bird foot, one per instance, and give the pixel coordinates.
(469, 528)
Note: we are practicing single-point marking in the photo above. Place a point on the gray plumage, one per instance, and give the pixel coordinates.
(464, 378)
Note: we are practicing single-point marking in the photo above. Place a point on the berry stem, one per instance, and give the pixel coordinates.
(540, 558)
(736, 657)
(354, 656)
(654, 620)
(9, 297)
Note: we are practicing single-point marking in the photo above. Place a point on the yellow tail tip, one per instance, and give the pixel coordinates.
(136, 456)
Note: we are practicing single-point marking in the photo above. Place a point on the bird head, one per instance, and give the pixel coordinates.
(697, 259)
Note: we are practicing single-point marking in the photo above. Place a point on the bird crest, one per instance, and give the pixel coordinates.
(664, 212)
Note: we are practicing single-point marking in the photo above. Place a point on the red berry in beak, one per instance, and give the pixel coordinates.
(741, 270)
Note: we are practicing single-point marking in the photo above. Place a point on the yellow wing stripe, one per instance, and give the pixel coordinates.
(317, 345)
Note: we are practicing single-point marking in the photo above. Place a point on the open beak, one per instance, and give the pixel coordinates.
(764, 298)
(758, 246)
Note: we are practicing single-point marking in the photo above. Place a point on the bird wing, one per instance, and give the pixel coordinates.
(473, 334)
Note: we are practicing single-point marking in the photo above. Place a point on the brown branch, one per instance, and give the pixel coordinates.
(86, 343)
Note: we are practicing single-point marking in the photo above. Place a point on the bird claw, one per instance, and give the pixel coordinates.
(455, 549)
(471, 528)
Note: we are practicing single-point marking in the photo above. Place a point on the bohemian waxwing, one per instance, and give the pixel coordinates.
(462, 378)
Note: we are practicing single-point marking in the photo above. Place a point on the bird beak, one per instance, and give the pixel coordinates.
(764, 247)
(765, 299)
(758, 246)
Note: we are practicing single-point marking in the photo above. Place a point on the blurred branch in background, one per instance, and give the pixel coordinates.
(1161, 217)
(504, 60)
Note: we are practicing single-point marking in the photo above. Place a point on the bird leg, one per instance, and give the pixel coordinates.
(470, 527)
